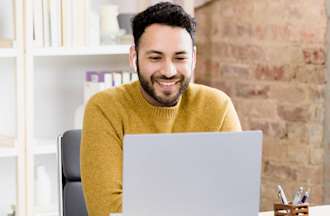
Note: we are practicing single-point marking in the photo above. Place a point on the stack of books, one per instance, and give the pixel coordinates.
(96, 81)
(65, 23)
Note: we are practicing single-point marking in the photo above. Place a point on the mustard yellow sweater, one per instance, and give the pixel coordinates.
(111, 114)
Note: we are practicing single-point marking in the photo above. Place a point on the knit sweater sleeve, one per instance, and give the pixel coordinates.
(101, 160)
(231, 121)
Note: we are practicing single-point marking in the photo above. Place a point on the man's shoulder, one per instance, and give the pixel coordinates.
(203, 92)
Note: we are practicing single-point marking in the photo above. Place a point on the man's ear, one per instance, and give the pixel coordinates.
(132, 57)
(194, 58)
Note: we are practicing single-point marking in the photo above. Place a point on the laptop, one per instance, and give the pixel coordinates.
(192, 174)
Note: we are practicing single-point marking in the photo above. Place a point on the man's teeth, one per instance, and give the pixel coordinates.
(167, 83)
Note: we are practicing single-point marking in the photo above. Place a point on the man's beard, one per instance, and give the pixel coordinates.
(151, 91)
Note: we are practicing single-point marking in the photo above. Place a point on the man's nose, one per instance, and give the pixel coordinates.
(169, 69)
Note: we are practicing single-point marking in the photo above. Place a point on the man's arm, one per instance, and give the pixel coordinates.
(101, 162)
(231, 121)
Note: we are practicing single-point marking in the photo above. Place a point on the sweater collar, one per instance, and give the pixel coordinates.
(157, 111)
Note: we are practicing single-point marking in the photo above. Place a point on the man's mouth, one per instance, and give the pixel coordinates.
(167, 83)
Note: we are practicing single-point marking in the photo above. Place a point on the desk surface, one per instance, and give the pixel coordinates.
(323, 210)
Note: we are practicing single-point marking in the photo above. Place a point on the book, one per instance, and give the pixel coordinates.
(67, 23)
(134, 76)
(94, 82)
(108, 79)
(79, 23)
(46, 24)
(126, 77)
(117, 78)
(92, 28)
(37, 23)
(55, 23)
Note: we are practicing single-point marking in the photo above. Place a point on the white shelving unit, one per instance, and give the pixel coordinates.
(8, 152)
(8, 53)
(102, 50)
(41, 89)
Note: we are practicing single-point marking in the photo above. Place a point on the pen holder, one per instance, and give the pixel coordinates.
(290, 209)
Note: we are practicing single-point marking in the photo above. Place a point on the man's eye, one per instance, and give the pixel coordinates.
(154, 58)
(181, 58)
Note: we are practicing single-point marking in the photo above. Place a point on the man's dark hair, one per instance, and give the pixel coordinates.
(163, 13)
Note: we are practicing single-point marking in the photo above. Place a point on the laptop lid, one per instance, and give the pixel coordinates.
(192, 174)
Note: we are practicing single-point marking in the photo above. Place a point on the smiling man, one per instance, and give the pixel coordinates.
(162, 101)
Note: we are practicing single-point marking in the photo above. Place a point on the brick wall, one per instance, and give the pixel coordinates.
(270, 57)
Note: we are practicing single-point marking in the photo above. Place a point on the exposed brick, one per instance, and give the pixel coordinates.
(298, 131)
(310, 74)
(206, 69)
(242, 53)
(315, 133)
(299, 154)
(234, 71)
(289, 93)
(318, 112)
(252, 90)
(280, 172)
(316, 156)
(263, 109)
(225, 86)
(241, 9)
(275, 152)
(316, 93)
(270, 128)
(316, 196)
(314, 56)
(268, 72)
(295, 113)
(282, 54)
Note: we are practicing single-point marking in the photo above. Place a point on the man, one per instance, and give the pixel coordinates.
(162, 101)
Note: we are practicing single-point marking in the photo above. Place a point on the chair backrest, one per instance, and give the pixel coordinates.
(72, 202)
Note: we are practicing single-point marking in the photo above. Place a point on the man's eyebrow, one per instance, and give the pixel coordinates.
(161, 53)
(181, 53)
(154, 52)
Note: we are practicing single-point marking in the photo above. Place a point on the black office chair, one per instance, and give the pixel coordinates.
(72, 202)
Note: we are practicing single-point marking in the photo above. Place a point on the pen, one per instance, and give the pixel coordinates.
(298, 196)
(281, 195)
(305, 197)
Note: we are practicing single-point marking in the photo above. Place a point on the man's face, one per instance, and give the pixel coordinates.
(165, 60)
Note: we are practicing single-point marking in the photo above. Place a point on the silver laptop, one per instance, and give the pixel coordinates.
(192, 174)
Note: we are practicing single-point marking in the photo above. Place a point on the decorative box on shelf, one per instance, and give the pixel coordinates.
(291, 210)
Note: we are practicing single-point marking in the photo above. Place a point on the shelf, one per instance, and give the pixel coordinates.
(47, 214)
(44, 146)
(51, 211)
(8, 52)
(102, 50)
(8, 152)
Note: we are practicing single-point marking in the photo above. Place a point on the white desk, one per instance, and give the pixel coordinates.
(323, 210)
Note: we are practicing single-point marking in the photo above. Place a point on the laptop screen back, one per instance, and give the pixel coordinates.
(192, 174)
